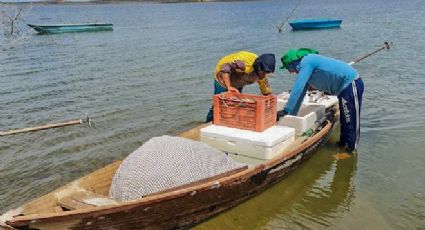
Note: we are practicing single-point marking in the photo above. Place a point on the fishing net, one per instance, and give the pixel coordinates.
(166, 162)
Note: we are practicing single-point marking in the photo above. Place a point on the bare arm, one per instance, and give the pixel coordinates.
(227, 83)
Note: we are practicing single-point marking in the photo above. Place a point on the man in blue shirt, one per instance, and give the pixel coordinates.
(333, 77)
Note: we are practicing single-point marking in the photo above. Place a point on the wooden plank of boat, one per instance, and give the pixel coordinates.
(84, 199)
(70, 28)
(174, 208)
(320, 23)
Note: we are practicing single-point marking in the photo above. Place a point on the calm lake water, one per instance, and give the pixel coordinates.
(152, 75)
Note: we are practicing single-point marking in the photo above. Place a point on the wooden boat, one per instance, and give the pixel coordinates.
(320, 23)
(83, 203)
(70, 28)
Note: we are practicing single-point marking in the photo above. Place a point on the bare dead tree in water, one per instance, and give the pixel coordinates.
(11, 20)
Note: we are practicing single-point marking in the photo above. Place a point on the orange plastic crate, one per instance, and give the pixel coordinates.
(245, 111)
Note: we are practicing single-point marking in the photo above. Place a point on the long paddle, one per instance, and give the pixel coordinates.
(385, 46)
(48, 126)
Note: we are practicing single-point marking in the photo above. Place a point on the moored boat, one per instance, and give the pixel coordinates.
(84, 203)
(70, 28)
(320, 23)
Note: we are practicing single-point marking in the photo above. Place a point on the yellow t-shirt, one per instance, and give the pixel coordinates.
(242, 63)
(246, 57)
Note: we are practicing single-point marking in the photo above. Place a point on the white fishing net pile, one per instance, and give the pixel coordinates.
(166, 162)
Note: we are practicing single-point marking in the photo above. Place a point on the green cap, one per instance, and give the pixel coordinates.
(293, 55)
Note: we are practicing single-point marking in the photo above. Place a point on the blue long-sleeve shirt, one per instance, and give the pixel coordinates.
(323, 73)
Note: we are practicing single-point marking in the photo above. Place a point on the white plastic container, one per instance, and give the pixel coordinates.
(282, 99)
(259, 145)
(314, 97)
(307, 118)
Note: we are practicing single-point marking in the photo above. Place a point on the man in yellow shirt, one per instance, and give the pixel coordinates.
(236, 70)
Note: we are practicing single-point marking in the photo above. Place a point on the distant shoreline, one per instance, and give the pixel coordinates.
(113, 1)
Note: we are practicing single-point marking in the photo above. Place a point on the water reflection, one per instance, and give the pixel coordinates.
(313, 196)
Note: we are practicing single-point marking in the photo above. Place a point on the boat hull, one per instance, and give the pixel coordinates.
(183, 207)
(57, 29)
(315, 24)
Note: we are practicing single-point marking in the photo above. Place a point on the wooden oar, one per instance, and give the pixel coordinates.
(48, 126)
(385, 46)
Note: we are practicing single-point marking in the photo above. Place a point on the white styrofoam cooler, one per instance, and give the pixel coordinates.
(260, 145)
(305, 119)
(326, 100)
(311, 98)
(282, 99)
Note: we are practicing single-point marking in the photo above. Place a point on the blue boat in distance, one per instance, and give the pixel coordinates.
(70, 28)
(320, 23)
